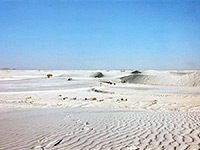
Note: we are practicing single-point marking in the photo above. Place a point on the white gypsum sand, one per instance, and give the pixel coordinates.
(81, 128)
(121, 109)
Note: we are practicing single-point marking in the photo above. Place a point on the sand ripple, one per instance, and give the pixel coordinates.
(90, 129)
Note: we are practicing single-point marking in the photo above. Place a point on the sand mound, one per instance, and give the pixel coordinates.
(165, 78)
(136, 72)
(97, 75)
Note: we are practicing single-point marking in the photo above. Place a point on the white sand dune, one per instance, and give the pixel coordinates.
(169, 78)
(32, 89)
(151, 110)
(99, 129)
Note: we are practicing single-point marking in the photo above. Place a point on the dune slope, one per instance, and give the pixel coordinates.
(173, 78)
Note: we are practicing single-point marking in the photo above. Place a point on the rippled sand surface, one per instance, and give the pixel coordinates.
(99, 129)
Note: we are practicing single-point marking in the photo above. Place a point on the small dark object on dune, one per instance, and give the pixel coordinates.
(100, 91)
(69, 79)
(123, 81)
(136, 72)
(49, 75)
(109, 82)
(86, 123)
(65, 98)
(98, 75)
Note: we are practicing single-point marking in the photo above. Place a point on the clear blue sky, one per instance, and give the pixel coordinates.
(100, 34)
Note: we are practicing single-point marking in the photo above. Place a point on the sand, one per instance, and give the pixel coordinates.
(81, 128)
(151, 110)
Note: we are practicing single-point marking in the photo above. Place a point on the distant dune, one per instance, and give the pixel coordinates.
(97, 75)
(169, 78)
(5, 69)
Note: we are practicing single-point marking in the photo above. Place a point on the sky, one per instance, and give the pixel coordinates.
(100, 34)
